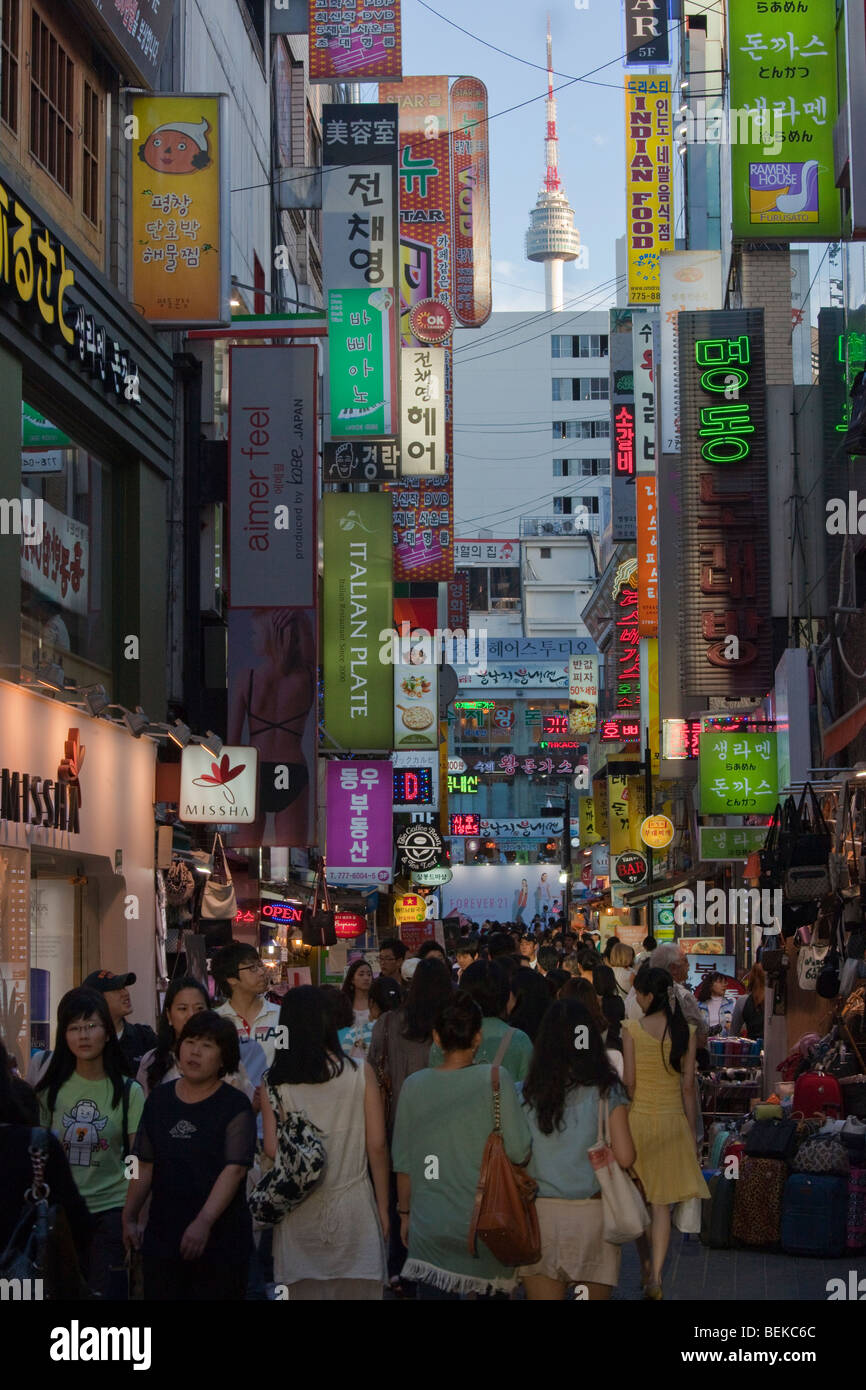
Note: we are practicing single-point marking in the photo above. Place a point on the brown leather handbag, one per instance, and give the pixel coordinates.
(504, 1215)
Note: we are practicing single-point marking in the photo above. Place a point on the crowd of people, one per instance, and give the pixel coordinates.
(156, 1142)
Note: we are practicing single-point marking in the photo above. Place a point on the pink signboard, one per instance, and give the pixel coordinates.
(360, 831)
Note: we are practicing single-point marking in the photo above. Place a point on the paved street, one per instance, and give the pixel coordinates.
(694, 1272)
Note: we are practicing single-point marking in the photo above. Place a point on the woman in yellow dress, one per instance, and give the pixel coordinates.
(659, 1074)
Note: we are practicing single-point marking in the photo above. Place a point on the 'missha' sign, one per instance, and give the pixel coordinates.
(221, 790)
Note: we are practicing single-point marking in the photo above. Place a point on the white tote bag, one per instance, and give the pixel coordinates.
(810, 963)
(625, 1213)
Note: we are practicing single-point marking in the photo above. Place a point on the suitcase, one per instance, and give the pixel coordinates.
(816, 1094)
(814, 1215)
(717, 1212)
(855, 1231)
(758, 1202)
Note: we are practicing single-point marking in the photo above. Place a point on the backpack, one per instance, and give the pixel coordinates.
(815, 1093)
(298, 1167)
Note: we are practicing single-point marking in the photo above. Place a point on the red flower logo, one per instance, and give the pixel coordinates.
(222, 775)
(69, 770)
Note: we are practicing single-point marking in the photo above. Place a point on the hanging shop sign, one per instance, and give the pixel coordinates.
(512, 765)
(222, 791)
(432, 878)
(134, 32)
(582, 695)
(464, 823)
(422, 404)
(357, 43)
(647, 556)
(359, 196)
(738, 773)
(424, 514)
(541, 828)
(348, 925)
(626, 645)
(458, 603)
(358, 599)
(360, 460)
(588, 833)
(419, 846)
(39, 433)
(272, 477)
(470, 553)
(413, 786)
(649, 183)
(431, 322)
(410, 907)
(518, 677)
(470, 202)
(359, 823)
(630, 868)
(622, 427)
(644, 391)
(179, 210)
(272, 910)
(657, 832)
(782, 64)
(416, 707)
(727, 844)
(362, 362)
(57, 564)
(617, 800)
(462, 784)
(646, 33)
(726, 647)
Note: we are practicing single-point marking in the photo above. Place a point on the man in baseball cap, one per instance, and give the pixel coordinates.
(135, 1039)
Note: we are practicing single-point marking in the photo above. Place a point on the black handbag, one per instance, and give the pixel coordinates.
(772, 1139)
(770, 875)
(317, 924)
(808, 841)
(40, 1253)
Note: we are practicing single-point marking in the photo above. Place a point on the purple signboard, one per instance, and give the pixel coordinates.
(360, 828)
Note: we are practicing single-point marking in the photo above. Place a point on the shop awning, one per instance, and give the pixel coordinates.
(840, 734)
(660, 887)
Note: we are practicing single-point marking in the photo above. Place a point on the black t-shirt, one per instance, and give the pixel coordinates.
(135, 1040)
(189, 1146)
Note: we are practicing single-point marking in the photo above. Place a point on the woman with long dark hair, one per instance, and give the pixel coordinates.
(749, 1009)
(86, 1099)
(531, 998)
(443, 1120)
(184, 997)
(331, 1246)
(585, 994)
(570, 1077)
(356, 989)
(715, 1006)
(659, 1072)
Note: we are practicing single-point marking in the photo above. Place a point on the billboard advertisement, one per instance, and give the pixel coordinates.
(360, 823)
(422, 405)
(358, 606)
(649, 182)
(470, 202)
(355, 43)
(782, 63)
(179, 211)
(272, 477)
(513, 893)
(725, 637)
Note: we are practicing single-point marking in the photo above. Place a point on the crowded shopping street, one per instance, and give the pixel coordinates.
(432, 668)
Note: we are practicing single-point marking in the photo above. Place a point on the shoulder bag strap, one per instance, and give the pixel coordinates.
(124, 1116)
(485, 1162)
(497, 1106)
(503, 1047)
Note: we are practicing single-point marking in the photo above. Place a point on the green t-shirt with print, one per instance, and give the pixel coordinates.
(88, 1126)
(518, 1054)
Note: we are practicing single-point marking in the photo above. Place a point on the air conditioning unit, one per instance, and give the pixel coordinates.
(548, 528)
(568, 528)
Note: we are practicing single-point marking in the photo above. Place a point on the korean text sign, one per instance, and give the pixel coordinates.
(355, 43)
(360, 826)
(359, 196)
(649, 182)
(783, 73)
(359, 601)
(738, 773)
(422, 397)
(363, 362)
(179, 214)
(470, 194)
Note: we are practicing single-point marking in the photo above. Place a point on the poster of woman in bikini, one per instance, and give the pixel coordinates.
(273, 707)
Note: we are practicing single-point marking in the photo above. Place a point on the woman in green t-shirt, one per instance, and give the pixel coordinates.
(444, 1117)
(94, 1109)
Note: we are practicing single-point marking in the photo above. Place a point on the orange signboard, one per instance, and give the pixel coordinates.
(647, 555)
(179, 212)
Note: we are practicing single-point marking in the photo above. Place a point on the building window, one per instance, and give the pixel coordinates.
(580, 388)
(594, 468)
(598, 388)
(579, 345)
(572, 506)
(566, 429)
(283, 93)
(504, 588)
(562, 388)
(562, 467)
(51, 104)
(545, 552)
(90, 128)
(9, 65)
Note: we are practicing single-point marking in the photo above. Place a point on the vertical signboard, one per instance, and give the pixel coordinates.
(179, 213)
(626, 645)
(690, 280)
(649, 182)
(726, 646)
(358, 606)
(359, 196)
(272, 477)
(470, 199)
(362, 362)
(647, 556)
(416, 706)
(782, 62)
(582, 694)
(355, 43)
(423, 511)
(644, 392)
(646, 33)
(137, 29)
(360, 823)
(622, 426)
(618, 828)
(422, 420)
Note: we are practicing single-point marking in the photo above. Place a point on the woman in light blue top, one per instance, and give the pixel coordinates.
(570, 1077)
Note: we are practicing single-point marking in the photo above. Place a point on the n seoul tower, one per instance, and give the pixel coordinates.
(552, 236)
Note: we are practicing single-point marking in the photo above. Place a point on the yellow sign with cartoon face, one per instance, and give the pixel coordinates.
(179, 210)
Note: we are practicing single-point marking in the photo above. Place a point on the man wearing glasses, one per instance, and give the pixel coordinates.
(242, 978)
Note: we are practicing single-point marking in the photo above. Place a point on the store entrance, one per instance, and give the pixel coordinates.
(57, 945)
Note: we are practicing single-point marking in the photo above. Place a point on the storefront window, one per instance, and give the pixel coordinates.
(66, 557)
(56, 963)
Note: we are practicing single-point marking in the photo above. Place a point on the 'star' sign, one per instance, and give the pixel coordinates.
(646, 33)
